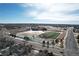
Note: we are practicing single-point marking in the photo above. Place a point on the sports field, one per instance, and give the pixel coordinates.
(51, 35)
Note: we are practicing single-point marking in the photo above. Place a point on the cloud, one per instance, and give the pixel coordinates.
(54, 12)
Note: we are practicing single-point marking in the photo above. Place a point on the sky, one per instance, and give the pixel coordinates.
(51, 13)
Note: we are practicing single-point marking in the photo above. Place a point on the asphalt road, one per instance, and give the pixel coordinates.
(70, 44)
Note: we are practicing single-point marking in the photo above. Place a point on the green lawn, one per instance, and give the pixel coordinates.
(52, 35)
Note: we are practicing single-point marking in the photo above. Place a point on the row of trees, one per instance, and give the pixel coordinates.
(25, 38)
(44, 43)
(45, 53)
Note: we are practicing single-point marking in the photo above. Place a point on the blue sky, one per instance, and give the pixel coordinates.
(56, 13)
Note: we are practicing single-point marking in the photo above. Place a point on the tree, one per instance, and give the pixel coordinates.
(40, 53)
(78, 38)
(43, 43)
(47, 44)
(45, 52)
(27, 38)
(12, 35)
(53, 43)
(61, 45)
(50, 54)
(56, 40)
(44, 29)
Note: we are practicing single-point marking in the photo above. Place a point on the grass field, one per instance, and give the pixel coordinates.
(51, 35)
